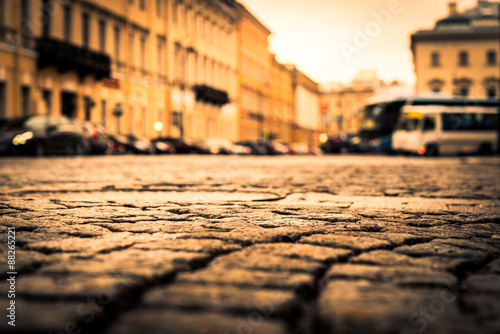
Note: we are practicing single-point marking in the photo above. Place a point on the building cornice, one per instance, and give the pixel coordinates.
(458, 35)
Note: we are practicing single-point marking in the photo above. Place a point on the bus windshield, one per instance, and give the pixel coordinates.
(372, 116)
(469, 122)
(409, 121)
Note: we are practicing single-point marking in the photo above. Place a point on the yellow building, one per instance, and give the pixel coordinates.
(280, 122)
(203, 49)
(124, 63)
(92, 60)
(341, 106)
(460, 55)
(254, 76)
(306, 108)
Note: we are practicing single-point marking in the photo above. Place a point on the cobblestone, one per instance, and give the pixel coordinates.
(293, 245)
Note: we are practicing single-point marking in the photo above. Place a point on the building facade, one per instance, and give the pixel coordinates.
(199, 68)
(124, 63)
(280, 122)
(306, 99)
(254, 75)
(90, 60)
(460, 55)
(203, 49)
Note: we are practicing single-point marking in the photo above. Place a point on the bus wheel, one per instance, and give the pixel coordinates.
(485, 149)
(432, 150)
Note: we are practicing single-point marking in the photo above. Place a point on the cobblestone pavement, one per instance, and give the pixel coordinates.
(337, 244)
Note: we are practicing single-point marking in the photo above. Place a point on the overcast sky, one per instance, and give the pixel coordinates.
(322, 37)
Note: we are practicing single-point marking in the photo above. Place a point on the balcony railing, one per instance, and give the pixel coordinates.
(8, 35)
(69, 57)
(210, 95)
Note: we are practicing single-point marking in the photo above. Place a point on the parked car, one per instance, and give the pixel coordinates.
(256, 148)
(97, 136)
(42, 135)
(241, 149)
(180, 146)
(299, 148)
(130, 144)
(216, 145)
(338, 143)
(276, 148)
(162, 147)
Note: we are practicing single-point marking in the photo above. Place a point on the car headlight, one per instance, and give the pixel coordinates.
(142, 145)
(22, 138)
(162, 146)
(356, 140)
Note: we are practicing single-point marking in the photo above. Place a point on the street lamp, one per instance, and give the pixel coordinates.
(158, 127)
(118, 112)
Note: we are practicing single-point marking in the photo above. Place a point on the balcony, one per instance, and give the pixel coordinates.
(68, 57)
(210, 95)
(8, 35)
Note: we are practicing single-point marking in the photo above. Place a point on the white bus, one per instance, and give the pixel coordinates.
(434, 130)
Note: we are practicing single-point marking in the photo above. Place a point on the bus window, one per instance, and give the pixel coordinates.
(430, 123)
(469, 122)
(409, 121)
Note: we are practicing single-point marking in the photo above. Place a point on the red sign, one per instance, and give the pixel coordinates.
(111, 83)
(324, 108)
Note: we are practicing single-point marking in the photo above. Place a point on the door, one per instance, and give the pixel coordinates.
(429, 131)
(68, 104)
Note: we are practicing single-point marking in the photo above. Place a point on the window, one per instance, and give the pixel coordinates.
(117, 43)
(430, 123)
(463, 91)
(25, 100)
(67, 13)
(142, 4)
(184, 17)
(3, 100)
(25, 22)
(176, 119)
(47, 99)
(2, 12)
(435, 59)
(103, 112)
(158, 8)
(102, 35)
(160, 56)
(174, 11)
(132, 50)
(143, 52)
(88, 103)
(133, 121)
(463, 58)
(144, 122)
(469, 122)
(491, 92)
(491, 57)
(46, 17)
(85, 30)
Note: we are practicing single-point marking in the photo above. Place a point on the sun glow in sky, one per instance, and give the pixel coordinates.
(317, 35)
